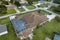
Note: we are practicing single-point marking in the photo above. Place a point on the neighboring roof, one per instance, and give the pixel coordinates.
(57, 37)
(3, 28)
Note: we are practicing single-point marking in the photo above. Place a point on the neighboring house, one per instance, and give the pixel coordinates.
(24, 25)
(3, 30)
(57, 36)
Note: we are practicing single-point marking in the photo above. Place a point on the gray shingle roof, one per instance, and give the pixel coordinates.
(57, 36)
(3, 28)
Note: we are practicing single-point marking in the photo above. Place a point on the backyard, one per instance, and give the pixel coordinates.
(11, 33)
(46, 30)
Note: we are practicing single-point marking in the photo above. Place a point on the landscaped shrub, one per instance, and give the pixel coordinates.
(57, 18)
(17, 3)
(3, 9)
(5, 2)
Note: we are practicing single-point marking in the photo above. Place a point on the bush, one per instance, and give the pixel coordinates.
(57, 1)
(12, 1)
(56, 10)
(5, 2)
(29, 2)
(3, 9)
(17, 3)
(57, 18)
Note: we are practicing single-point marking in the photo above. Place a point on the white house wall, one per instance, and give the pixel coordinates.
(3, 33)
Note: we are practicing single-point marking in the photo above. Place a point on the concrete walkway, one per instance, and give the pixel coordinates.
(17, 10)
(25, 8)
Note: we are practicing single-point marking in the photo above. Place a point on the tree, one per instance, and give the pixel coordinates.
(17, 3)
(57, 18)
(5, 2)
(30, 2)
(56, 9)
(3, 9)
(57, 1)
(38, 11)
(47, 0)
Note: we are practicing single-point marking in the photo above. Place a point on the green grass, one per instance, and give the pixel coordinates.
(21, 9)
(43, 12)
(10, 11)
(43, 5)
(46, 30)
(35, 2)
(11, 33)
(30, 7)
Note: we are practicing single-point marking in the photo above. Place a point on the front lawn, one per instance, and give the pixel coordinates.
(43, 12)
(30, 7)
(35, 2)
(46, 30)
(11, 33)
(21, 9)
(43, 5)
(11, 11)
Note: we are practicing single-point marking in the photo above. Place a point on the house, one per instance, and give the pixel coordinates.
(57, 36)
(25, 24)
(3, 30)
